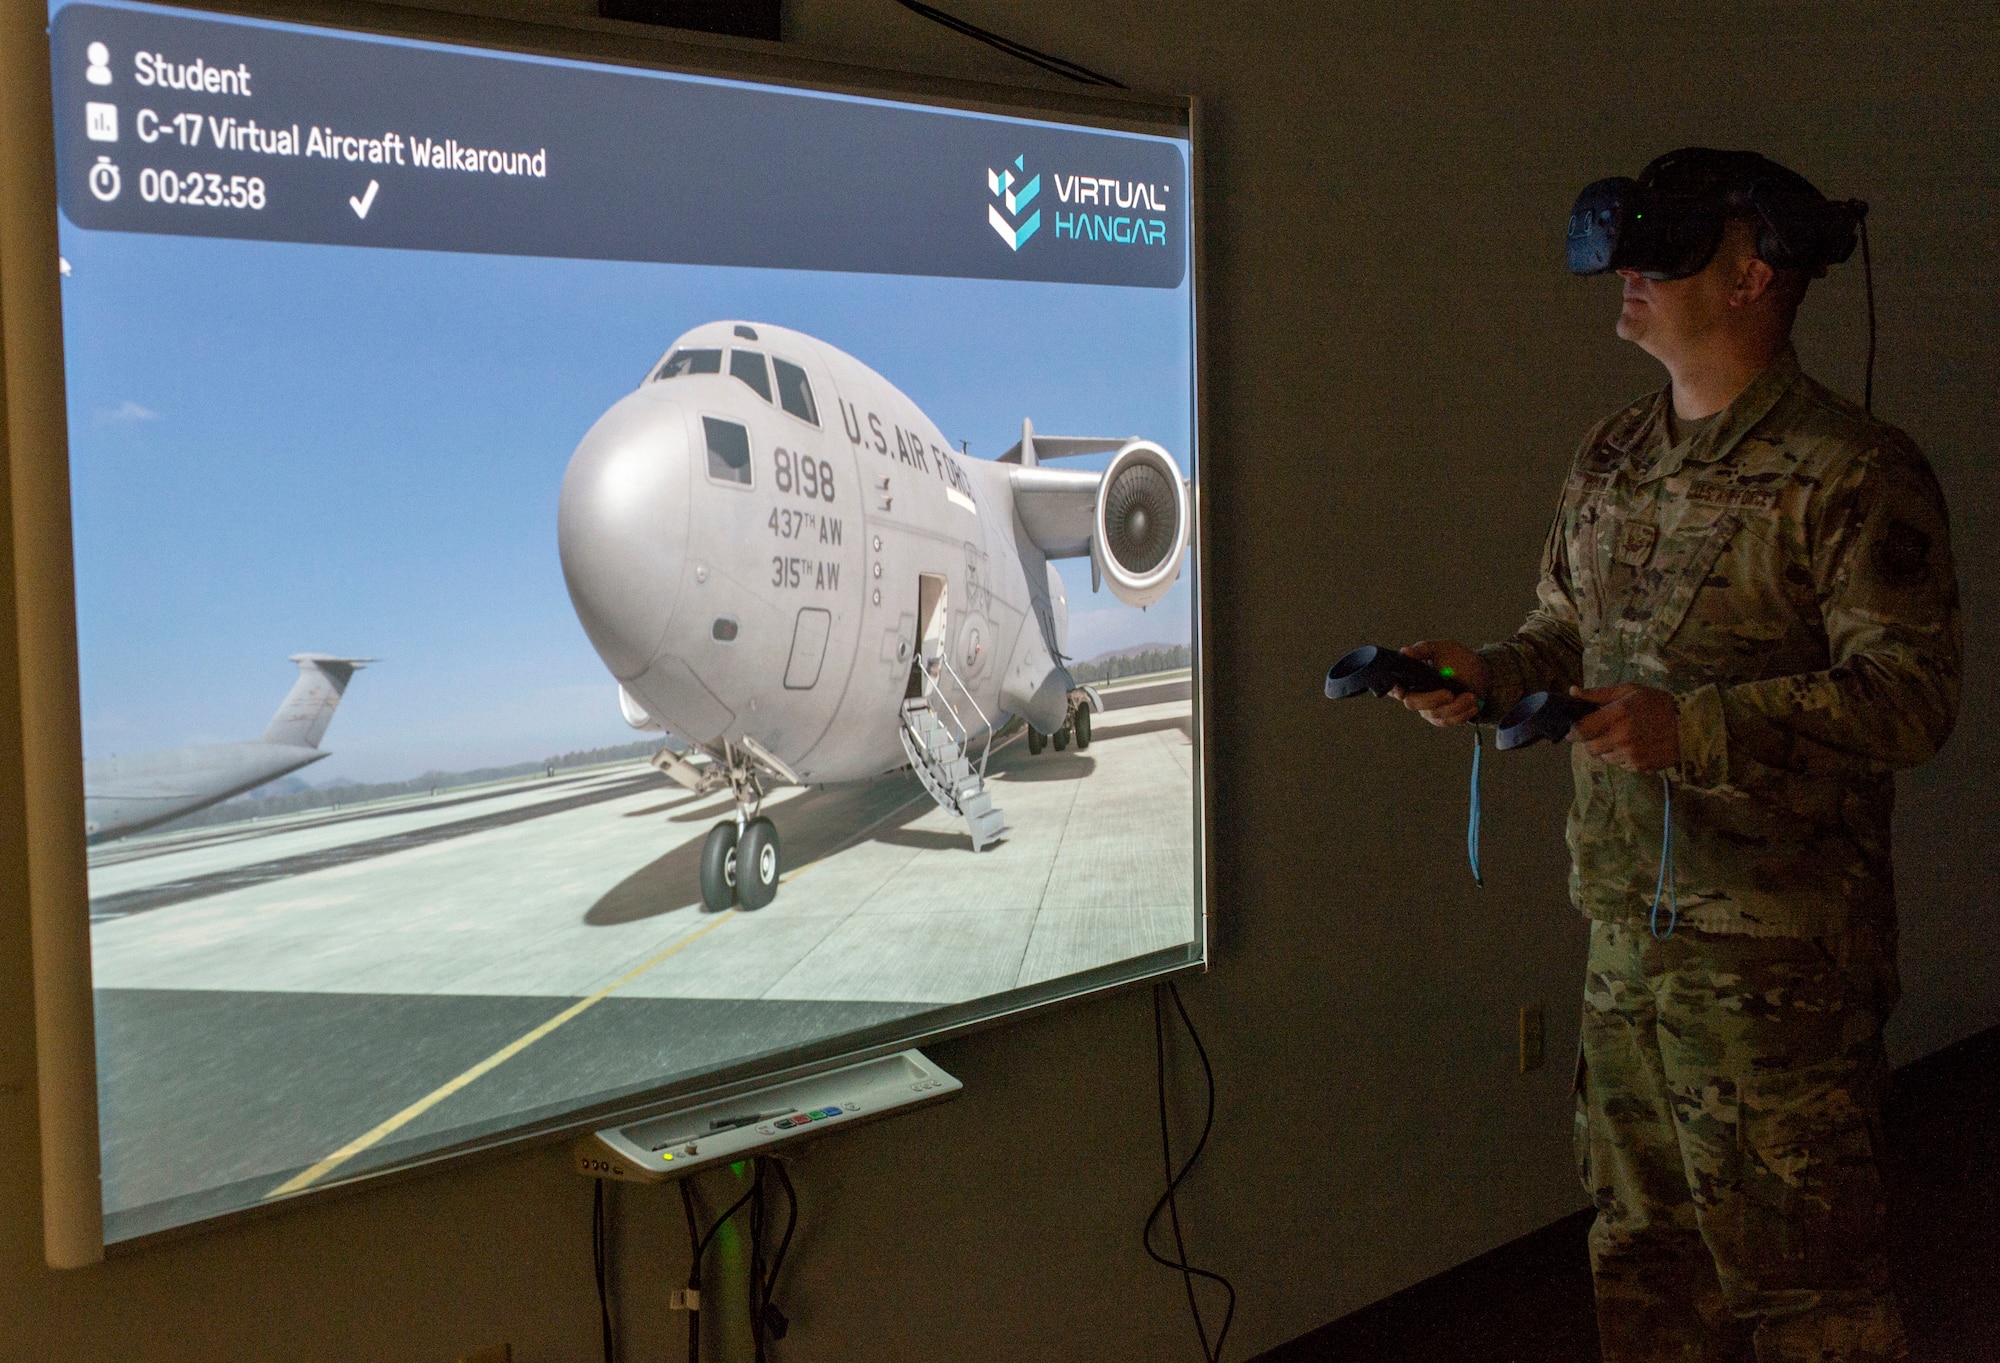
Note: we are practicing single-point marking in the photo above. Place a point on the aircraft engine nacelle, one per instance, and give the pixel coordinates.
(1139, 530)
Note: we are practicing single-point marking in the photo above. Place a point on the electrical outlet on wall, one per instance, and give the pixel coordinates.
(1531, 1037)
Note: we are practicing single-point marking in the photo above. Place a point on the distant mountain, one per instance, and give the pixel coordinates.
(284, 785)
(1133, 662)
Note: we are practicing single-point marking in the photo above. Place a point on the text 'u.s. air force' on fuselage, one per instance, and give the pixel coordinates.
(133, 791)
(787, 569)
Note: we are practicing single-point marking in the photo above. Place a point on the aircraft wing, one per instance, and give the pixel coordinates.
(1056, 507)
(1031, 449)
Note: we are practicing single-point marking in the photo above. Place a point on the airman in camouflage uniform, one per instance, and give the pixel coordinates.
(1783, 574)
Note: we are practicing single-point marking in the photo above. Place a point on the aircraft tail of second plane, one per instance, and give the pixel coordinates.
(302, 719)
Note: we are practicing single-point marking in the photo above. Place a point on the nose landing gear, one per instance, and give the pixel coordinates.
(740, 859)
(718, 867)
(757, 864)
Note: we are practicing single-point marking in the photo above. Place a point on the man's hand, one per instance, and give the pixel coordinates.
(1637, 728)
(1449, 708)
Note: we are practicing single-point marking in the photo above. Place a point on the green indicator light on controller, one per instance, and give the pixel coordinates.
(1446, 672)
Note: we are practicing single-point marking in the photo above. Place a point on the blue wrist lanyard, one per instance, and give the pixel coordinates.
(1665, 884)
(1663, 888)
(1472, 818)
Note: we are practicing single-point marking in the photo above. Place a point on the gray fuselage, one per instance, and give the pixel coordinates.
(777, 597)
(137, 791)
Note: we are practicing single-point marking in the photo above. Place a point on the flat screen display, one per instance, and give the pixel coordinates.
(595, 582)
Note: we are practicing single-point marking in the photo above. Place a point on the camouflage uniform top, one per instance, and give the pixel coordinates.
(1786, 573)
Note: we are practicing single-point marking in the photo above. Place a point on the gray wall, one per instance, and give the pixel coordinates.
(1399, 369)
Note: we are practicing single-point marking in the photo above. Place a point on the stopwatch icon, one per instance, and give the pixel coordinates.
(104, 179)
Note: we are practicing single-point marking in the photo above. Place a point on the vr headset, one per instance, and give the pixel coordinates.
(1668, 223)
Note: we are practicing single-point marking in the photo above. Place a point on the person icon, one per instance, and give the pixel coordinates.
(99, 70)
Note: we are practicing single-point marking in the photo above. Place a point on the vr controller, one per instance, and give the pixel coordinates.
(1374, 670)
(1379, 670)
(1546, 714)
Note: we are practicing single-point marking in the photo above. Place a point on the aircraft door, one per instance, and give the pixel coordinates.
(808, 648)
(933, 606)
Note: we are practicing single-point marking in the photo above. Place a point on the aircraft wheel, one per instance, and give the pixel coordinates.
(1036, 742)
(718, 867)
(1081, 723)
(757, 864)
(1060, 738)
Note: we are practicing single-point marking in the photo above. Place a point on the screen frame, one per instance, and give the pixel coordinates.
(33, 407)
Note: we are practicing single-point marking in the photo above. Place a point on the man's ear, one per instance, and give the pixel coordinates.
(1753, 280)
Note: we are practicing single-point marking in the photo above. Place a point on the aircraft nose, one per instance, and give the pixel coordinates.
(622, 528)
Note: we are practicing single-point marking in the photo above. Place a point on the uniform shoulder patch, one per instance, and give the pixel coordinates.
(1902, 554)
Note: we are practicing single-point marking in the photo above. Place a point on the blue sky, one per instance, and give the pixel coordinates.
(278, 448)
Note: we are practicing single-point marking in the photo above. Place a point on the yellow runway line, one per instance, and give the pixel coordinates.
(306, 1179)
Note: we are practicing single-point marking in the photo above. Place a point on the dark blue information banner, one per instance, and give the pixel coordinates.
(174, 123)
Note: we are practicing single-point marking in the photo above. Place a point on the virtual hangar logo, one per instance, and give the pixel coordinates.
(1122, 221)
(1012, 230)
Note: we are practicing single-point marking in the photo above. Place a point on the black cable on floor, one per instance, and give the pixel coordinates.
(778, 1259)
(694, 1273)
(600, 1255)
(698, 1246)
(1059, 66)
(753, 1298)
(1169, 1201)
(767, 1322)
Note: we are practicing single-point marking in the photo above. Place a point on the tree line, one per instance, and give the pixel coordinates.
(1134, 664)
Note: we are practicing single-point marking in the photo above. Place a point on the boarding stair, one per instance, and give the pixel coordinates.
(938, 738)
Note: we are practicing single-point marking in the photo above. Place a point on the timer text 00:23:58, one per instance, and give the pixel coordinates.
(201, 189)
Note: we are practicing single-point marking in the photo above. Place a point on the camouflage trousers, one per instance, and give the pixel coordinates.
(1727, 1128)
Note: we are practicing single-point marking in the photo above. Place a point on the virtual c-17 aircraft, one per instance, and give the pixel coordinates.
(134, 791)
(788, 569)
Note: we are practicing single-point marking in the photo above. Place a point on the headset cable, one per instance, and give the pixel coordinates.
(1058, 66)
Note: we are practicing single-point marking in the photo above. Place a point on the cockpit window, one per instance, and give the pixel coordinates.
(794, 393)
(748, 365)
(728, 451)
(691, 362)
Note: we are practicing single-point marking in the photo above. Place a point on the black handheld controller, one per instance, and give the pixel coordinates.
(1546, 714)
(1377, 670)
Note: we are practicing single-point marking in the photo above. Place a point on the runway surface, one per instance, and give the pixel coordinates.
(271, 992)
